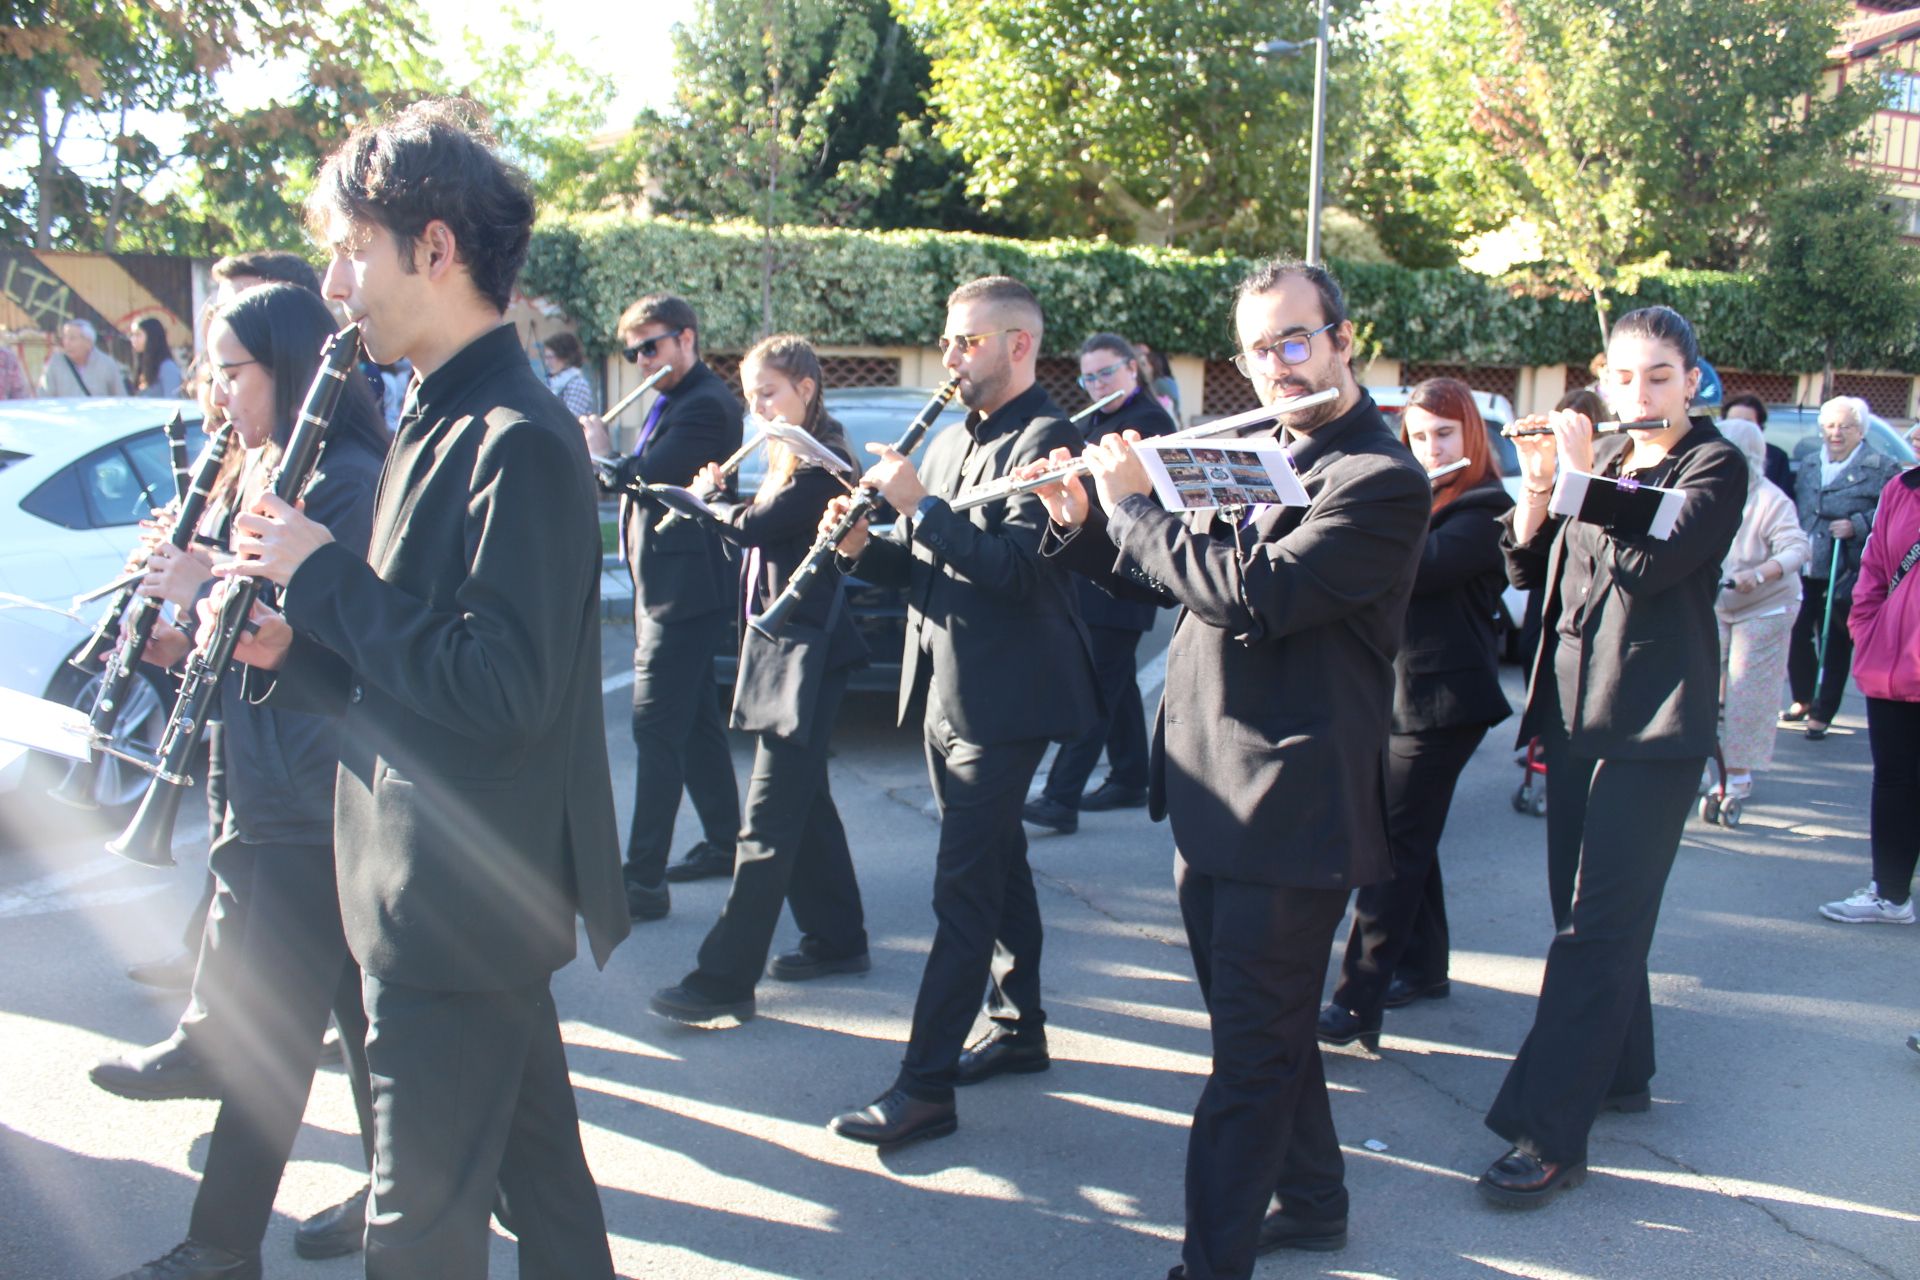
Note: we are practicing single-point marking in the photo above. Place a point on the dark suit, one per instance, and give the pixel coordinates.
(1625, 698)
(1268, 761)
(474, 814)
(996, 649)
(1446, 695)
(793, 849)
(683, 601)
(1854, 495)
(1114, 628)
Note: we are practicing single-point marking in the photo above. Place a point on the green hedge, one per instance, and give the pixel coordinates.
(857, 288)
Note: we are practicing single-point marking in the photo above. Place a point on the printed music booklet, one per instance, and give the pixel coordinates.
(1203, 474)
(1623, 507)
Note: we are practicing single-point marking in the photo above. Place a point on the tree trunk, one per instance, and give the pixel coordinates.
(1826, 378)
(773, 174)
(117, 203)
(1600, 313)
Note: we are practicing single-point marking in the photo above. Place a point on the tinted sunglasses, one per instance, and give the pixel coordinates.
(649, 346)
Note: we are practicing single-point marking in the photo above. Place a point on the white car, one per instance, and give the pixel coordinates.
(76, 477)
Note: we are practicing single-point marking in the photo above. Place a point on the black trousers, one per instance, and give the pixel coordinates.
(1121, 732)
(470, 1090)
(1592, 1033)
(1422, 770)
(1263, 1129)
(284, 966)
(1803, 659)
(792, 850)
(680, 741)
(987, 929)
(194, 1016)
(1893, 734)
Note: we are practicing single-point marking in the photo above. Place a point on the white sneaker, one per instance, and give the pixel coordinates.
(1867, 907)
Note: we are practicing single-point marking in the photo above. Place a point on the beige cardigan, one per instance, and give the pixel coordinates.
(1769, 530)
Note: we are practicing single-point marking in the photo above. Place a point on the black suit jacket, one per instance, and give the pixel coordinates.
(1142, 413)
(474, 813)
(1642, 681)
(1269, 748)
(1447, 673)
(683, 571)
(1010, 657)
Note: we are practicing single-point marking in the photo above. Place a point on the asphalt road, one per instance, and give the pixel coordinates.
(1780, 1143)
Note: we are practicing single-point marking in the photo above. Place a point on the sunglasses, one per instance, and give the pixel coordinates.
(1290, 350)
(646, 349)
(966, 342)
(1100, 375)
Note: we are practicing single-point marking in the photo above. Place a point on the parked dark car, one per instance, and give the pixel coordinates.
(871, 415)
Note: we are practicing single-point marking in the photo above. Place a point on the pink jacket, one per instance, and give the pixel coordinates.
(1886, 629)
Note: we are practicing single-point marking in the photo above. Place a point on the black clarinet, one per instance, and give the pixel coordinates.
(148, 839)
(176, 433)
(864, 500)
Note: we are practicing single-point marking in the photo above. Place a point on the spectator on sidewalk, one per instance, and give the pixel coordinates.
(1749, 407)
(80, 367)
(1758, 602)
(156, 375)
(564, 357)
(13, 377)
(1885, 623)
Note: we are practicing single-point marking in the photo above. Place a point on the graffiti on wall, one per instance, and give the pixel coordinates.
(39, 292)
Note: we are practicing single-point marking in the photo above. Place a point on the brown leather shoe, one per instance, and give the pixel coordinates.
(1521, 1181)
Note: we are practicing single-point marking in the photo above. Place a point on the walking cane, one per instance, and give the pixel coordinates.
(1826, 621)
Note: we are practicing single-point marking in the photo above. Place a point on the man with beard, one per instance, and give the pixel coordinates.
(1269, 752)
(996, 650)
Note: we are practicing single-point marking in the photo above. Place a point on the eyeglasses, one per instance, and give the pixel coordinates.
(1101, 375)
(223, 373)
(1290, 350)
(647, 347)
(968, 341)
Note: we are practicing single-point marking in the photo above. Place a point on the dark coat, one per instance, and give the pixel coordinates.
(1854, 495)
(1447, 672)
(781, 526)
(1011, 660)
(1269, 748)
(281, 764)
(1142, 413)
(1642, 681)
(683, 571)
(474, 814)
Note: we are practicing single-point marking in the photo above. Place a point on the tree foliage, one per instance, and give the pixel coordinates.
(1152, 122)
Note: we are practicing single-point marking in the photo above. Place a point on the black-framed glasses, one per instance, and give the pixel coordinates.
(1101, 375)
(968, 341)
(1293, 349)
(648, 346)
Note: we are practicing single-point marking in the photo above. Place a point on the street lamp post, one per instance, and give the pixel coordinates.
(1288, 49)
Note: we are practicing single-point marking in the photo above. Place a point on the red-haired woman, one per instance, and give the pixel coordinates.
(1446, 695)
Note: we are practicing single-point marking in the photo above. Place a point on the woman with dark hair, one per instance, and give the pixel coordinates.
(156, 374)
(1625, 698)
(274, 959)
(787, 693)
(1446, 696)
(564, 357)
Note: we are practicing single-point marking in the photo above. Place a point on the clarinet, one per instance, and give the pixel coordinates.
(106, 632)
(148, 839)
(770, 623)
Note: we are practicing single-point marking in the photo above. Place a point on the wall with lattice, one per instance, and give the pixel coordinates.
(1772, 388)
(1224, 390)
(1500, 380)
(1888, 394)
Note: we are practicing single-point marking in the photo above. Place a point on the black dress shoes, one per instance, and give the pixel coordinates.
(894, 1119)
(335, 1232)
(647, 902)
(803, 965)
(1002, 1052)
(691, 1008)
(165, 1070)
(1052, 815)
(1342, 1026)
(1401, 993)
(191, 1261)
(705, 861)
(1521, 1181)
(1110, 795)
(1309, 1235)
(175, 973)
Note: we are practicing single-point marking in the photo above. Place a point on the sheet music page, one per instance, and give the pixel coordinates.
(52, 727)
(1201, 475)
(806, 445)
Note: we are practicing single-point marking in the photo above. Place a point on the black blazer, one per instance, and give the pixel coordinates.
(683, 571)
(782, 526)
(1643, 680)
(1010, 656)
(1447, 673)
(474, 813)
(1269, 747)
(281, 764)
(1142, 413)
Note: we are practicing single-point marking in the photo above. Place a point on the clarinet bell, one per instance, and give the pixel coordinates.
(148, 839)
(76, 789)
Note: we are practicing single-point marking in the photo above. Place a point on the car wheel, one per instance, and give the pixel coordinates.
(116, 786)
